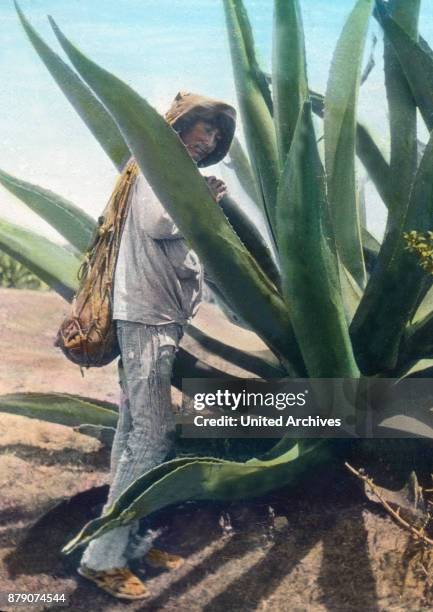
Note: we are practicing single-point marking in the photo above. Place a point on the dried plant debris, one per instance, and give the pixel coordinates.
(411, 509)
(407, 506)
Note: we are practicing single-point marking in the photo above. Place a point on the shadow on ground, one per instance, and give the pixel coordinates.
(317, 537)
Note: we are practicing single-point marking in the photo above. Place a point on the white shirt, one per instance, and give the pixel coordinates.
(158, 278)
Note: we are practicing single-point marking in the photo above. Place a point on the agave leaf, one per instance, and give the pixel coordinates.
(242, 354)
(225, 307)
(340, 138)
(425, 307)
(61, 408)
(185, 195)
(252, 238)
(407, 408)
(246, 360)
(240, 163)
(91, 111)
(371, 248)
(417, 344)
(309, 263)
(202, 478)
(256, 116)
(99, 525)
(362, 202)
(422, 372)
(402, 110)
(248, 42)
(367, 150)
(415, 57)
(371, 62)
(397, 284)
(351, 293)
(104, 434)
(71, 222)
(188, 365)
(52, 263)
(289, 73)
(256, 245)
(407, 425)
(370, 243)
(236, 217)
(374, 161)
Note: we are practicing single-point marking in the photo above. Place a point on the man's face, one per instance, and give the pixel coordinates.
(201, 139)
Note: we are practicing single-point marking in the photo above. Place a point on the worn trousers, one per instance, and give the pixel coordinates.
(144, 435)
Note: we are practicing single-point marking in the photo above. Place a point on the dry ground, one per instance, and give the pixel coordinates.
(321, 548)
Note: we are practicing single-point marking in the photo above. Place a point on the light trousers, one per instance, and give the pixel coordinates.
(144, 434)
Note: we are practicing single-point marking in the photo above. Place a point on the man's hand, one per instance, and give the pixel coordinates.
(217, 187)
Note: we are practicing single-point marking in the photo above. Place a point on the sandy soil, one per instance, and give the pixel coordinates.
(322, 548)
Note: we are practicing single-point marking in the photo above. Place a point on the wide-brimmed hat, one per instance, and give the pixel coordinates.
(187, 108)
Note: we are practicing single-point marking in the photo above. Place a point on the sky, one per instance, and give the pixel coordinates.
(158, 47)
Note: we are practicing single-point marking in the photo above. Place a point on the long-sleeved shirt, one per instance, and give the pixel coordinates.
(158, 278)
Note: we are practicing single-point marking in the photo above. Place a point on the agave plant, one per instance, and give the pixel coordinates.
(317, 308)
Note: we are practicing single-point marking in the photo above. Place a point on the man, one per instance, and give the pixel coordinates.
(157, 290)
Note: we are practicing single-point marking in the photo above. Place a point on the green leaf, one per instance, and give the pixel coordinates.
(374, 161)
(71, 222)
(417, 344)
(407, 408)
(416, 60)
(309, 263)
(61, 408)
(371, 248)
(256, 116)
(402, 110)
(202, 478)
(340, 138)
(240, 163)
(184, 193)
(225, 307)
(371, 62)
(351, 293)
(289, 73)
(367, 150)
(362, 202)
(228, 352)
(52, 263)
(425, 307)
(369, 242)
(248, 42)
(188, 365)
(99, 525)
(91, 111)
(397, 284)
(251, 238)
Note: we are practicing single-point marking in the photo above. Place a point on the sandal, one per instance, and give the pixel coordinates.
(118, 581)
(160, 558)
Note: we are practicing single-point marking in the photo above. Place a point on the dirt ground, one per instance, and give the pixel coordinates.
(325, 547)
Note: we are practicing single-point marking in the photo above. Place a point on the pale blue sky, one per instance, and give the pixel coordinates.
(158, 47)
